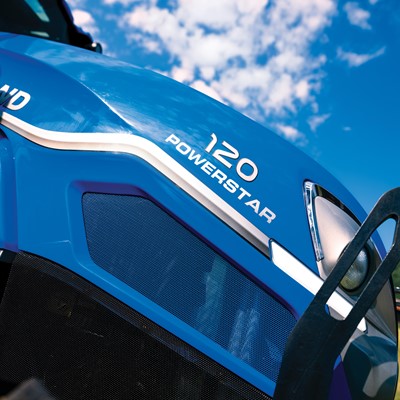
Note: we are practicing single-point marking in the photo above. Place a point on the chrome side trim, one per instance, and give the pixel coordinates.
(292, 267)
(310, 192)
(155, 156)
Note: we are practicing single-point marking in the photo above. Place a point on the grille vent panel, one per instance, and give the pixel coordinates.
(136, 241)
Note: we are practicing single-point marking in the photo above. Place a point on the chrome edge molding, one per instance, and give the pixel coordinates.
(310, 193)
(155, 156)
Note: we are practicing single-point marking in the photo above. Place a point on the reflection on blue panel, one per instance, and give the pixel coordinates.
(143, 246)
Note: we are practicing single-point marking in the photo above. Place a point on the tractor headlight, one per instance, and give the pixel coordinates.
(374, 344)
(333, 227)
(357, 273)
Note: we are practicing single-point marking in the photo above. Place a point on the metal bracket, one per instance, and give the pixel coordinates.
(317, 339)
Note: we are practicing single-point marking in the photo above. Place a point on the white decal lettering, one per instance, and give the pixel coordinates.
(245, 168)
(19, 100)
(254, 204)
(173, 139)
(239, 166)
(208, 167)
(267, 213)
(219, 175)
(244, 193)
(14, 99)
(196, 158)
(231, 186)
(183, 148)
(230, 152)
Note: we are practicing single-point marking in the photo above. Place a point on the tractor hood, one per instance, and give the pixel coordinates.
(64, 95)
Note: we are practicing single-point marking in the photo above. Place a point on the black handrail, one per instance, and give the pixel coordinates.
(317, 339)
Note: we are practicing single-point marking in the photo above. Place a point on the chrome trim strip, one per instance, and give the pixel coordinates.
(155, 156)
(292, 267)
(310, 193)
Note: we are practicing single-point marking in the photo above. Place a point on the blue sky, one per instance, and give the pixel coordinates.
(324, 74)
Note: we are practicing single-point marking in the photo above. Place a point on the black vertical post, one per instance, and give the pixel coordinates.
(317, 339)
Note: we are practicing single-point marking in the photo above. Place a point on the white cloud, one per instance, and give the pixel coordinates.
(73, 3)
(85, 20)
(355, 59)
(206, 89)
(253, 54)
(123, 2)
(182, 74)
(289, 132)
(373, 2)
(357, 16)
(302, 90)
(316, 120)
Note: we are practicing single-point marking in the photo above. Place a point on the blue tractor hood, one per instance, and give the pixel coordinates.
(74, 92)
(179, 207)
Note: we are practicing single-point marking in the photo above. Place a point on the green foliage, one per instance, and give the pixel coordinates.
(398, 383)
(396, 276)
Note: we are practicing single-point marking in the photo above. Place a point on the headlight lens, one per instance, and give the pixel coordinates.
(357, 273)
(333, 227)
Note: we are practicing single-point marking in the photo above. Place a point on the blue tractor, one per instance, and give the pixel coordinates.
(156, 244)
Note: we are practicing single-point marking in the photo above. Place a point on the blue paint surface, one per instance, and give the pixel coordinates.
(77, 91)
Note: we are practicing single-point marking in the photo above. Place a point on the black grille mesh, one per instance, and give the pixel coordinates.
(83, 344)
(140, 244)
